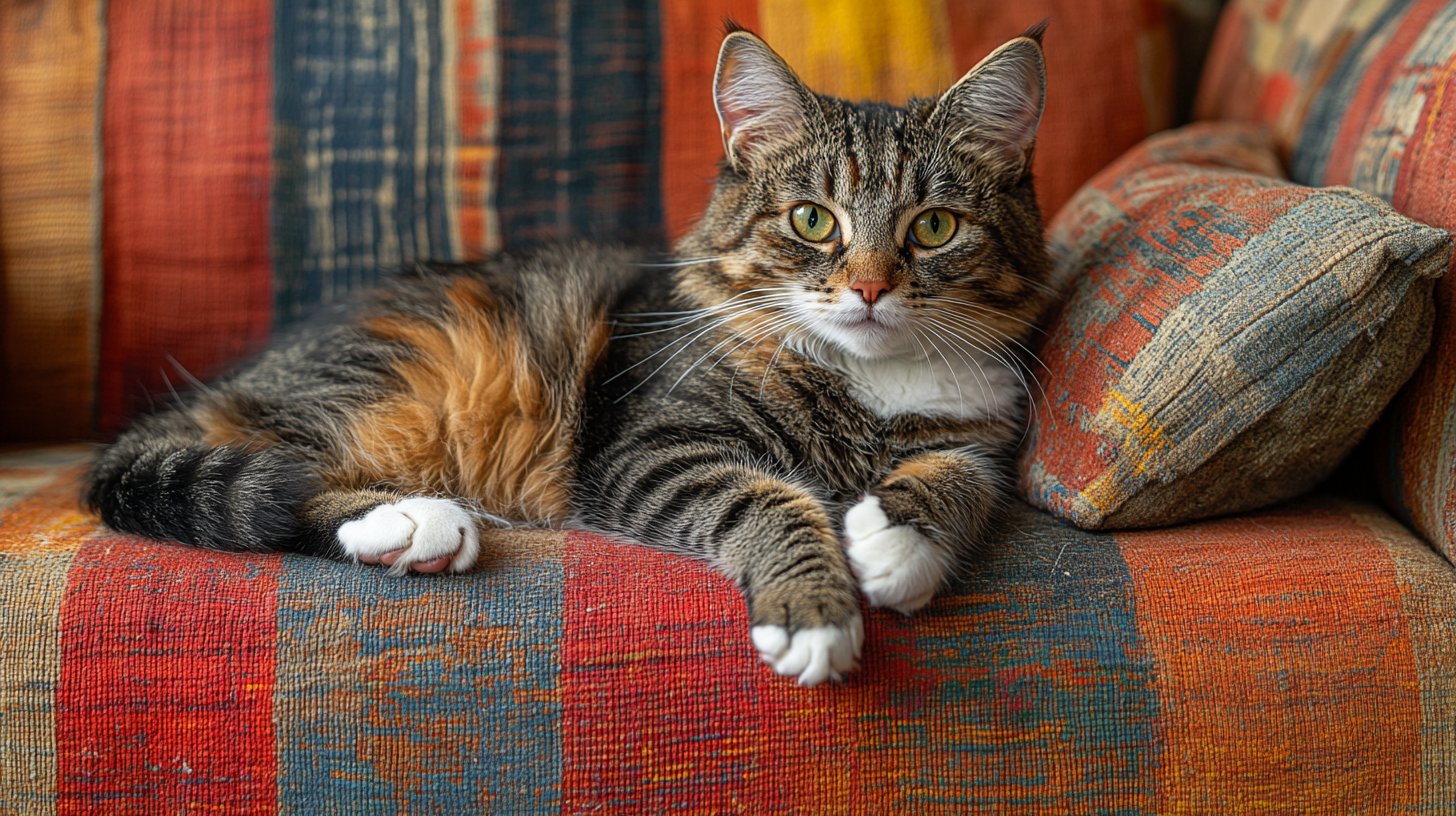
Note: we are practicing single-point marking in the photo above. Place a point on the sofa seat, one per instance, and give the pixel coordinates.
(1261, 663)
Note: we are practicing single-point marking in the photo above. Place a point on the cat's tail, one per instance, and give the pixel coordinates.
(163, 481)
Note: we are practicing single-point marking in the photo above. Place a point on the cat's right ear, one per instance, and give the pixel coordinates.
(762, 104)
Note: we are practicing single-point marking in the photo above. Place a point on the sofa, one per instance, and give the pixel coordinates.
(179, 180)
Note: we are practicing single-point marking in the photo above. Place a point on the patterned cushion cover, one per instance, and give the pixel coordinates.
(1227, 337)
(1297, 660)
(1362, 94)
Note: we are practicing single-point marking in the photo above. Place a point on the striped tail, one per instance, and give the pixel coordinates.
(221, 498)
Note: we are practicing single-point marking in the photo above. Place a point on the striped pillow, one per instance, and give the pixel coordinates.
(1227, 336)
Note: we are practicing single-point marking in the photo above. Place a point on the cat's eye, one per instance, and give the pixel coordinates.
(813, 223)
(933, 228)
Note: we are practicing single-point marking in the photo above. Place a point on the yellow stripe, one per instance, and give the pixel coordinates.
(863, 49)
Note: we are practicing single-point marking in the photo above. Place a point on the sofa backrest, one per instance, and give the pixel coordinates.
(1364, 94)
(178, 177)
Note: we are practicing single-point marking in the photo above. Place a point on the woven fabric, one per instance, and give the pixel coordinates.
(1294, 660)
(227, 168)
(1360, 95)
(1226, 338)
(50, 72)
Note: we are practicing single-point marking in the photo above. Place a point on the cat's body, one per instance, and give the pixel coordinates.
(819, 395)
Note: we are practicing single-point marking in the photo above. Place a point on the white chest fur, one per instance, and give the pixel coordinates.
(964, 386)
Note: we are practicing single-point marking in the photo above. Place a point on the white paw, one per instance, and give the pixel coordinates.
(897, 566)
(814, 655)
(424, 528)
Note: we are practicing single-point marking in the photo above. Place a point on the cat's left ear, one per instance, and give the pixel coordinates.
(994, 110)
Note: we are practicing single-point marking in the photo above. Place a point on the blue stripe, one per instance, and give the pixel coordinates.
(376, 674)
(359, 151)
(580, 139)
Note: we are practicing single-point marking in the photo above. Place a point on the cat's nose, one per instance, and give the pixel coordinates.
(870, 290)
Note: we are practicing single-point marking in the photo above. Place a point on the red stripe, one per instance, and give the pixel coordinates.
(1095, 107)
(185, 205)
(691, 141)
(1286, 671)
(657, 683)
(165, 701)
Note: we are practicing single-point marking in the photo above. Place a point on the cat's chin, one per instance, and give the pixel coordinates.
(869, 340)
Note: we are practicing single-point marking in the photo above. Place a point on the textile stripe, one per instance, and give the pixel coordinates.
(185, 218)
(579, 143)
(165, 696)
(1351, 58)
(1424, 418)
(1286, 670)
(1428, 602)
(1040, 692)
(1378, 122)
(478, 82)
(50, 61)
(1109, 65)
(659, 688)
(359, 145)
(691, 141)
(40, 530)
(864, 49)
(413, 695)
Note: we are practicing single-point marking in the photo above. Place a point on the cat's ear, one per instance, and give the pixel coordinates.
(762, 104)
(994, 110)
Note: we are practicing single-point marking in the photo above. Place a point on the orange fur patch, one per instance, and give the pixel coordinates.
(475, 418)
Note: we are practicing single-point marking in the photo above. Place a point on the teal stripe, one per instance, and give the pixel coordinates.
(419, 694)
(1042, 692)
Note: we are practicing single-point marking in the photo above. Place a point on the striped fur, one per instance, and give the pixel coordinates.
(755, 406)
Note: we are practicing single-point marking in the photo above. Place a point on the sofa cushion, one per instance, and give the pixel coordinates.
(1360, 94)
(1226, 337)
(1294, 660)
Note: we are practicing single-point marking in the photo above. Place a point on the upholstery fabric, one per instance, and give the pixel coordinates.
(1292, 660)
(1359, 94)
(1227, 337)
(178, 177)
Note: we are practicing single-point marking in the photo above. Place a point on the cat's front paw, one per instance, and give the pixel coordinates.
(897, 565)
(421, 534)
(813, 655)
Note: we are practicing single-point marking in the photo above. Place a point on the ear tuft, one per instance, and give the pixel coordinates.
(994, 110)
(1037, 31)
(762, 105)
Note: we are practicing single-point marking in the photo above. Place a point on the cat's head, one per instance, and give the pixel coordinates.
(874, 229)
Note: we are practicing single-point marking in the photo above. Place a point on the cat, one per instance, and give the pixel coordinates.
(833, 357)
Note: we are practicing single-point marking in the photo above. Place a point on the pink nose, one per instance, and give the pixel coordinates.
(870, 290)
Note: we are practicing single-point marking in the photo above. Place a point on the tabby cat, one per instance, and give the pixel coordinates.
(818, 397)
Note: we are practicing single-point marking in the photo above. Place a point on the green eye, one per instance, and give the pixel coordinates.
(813, 223)
(933, 228)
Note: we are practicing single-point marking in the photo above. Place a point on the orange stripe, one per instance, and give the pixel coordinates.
(478, 93)
(691, 141)
(1286, 669)
(50, 60)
